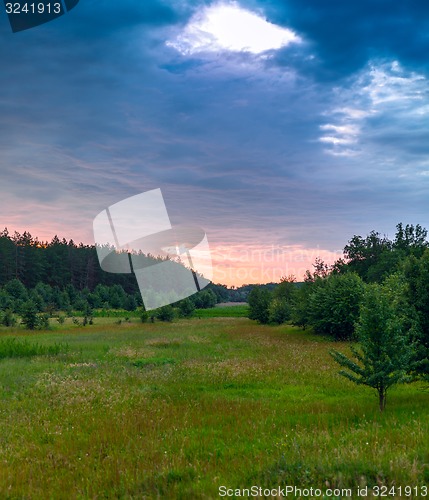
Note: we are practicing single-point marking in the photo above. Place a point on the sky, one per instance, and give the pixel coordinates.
(280, 127)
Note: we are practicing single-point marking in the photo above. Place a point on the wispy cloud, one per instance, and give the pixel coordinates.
(380, 93)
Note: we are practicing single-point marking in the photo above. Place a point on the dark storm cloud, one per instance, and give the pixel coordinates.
(344, 35)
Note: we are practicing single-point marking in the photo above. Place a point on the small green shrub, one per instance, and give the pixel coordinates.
(144, 316)
(165, 313)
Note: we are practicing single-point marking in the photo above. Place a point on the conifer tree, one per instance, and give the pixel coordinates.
(385, 351)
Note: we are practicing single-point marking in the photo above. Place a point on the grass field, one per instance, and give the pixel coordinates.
(177, 410)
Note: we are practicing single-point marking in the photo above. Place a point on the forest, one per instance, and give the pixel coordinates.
(62, 275)
(377, 295)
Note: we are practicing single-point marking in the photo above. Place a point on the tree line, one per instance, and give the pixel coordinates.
(38, 278)
(377, 295)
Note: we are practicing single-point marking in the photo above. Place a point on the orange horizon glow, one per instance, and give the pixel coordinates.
(235, 264)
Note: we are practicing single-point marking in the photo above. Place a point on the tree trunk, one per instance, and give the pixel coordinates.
(382, 399)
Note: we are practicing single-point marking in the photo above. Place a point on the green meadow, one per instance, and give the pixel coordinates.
(177, 410)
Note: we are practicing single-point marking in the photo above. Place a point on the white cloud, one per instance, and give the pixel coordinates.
(383, 90)
(390, 83)
(229, 27)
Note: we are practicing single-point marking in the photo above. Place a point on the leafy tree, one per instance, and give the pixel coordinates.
(412, 240)
(279, 311)
(259, 303)
(300, 308)
(333, 306)
(362, 253)
(283, 300)
(321, 271)
(416, 273)
(205, 299)
(385, 352)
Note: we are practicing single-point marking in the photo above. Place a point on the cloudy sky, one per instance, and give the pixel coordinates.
(281, 127)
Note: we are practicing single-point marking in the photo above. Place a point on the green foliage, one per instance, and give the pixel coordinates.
(130, 303)
(61, 319)
(416, 274)
(143, 314)
(7, 318)
(233, 311)
(259, 304)
(42, 321)
(385, 352)
(165, 313)
(29, 315)
(16, 289)
(88, 318)
(300, 309)
(376, 257)
(186, 308)
(412, 240)
(283, 299)
(16, 348)
(205, 299)
(363, 253)
(286, 290)
(333, 305)
(279, 311)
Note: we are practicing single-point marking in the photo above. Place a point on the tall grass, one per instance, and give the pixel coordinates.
(22, 348)
(176, 410)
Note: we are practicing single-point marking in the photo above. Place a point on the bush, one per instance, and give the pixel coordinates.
(186, 308)
(144, 316)
(165, 313)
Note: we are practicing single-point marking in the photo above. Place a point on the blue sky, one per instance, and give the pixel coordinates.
(280, 127)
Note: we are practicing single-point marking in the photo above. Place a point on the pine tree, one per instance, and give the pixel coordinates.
(29, 315)
(385, 352)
